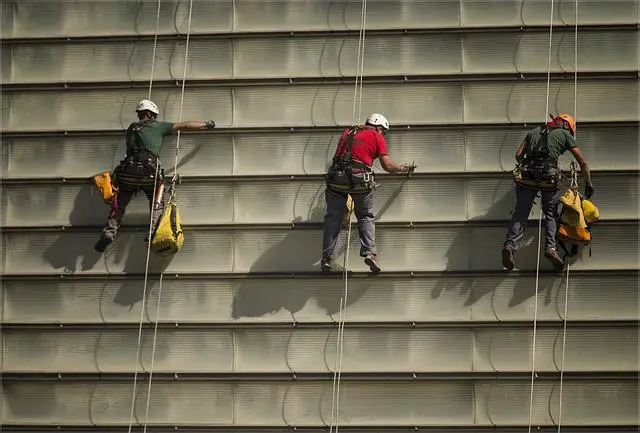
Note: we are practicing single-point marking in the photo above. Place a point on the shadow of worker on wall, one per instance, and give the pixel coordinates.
(259, 297)
(66, 251)
(470, 287)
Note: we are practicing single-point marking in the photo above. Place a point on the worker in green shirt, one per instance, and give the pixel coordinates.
(141, 169)
(538, 172)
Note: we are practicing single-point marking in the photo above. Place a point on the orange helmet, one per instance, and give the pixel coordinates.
(571, 121)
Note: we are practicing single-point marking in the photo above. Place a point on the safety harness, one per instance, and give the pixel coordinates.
(537, 169)
(341, 176)
(139, 164)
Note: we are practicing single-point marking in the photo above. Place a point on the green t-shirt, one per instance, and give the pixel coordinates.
(560, 140)
(153, 134)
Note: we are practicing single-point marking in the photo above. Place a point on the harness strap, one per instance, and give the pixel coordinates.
(541, 153)
(134, 142)
(349, 155)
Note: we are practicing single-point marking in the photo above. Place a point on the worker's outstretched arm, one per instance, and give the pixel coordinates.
(584, 168)
(193, 125)
(390, 166)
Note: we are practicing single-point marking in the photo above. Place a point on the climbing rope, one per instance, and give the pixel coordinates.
(337, 373)
(158, 185)
(146, 272)
(172, 192)
(573, 183)
(155, 45)
(537, 285)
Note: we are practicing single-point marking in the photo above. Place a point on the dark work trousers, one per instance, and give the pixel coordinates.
(524, 203)
(120, 202)
(363, 208)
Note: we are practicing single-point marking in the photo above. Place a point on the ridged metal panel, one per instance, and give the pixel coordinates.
(303, 350)
(313, 105)
(321, 56)
(500, 298)
(308, 152)
(284, 250)
(46, 19)
(273, 403)
(249, 202)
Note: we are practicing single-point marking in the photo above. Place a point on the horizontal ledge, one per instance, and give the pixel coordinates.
(319, 81)
(327, 325)
(297, 226)
(327, 128)
(383, 177)
(564, 28)
(313, 275)
(317, 377)
(162, 428)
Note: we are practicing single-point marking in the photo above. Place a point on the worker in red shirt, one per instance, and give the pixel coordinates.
(351, 174)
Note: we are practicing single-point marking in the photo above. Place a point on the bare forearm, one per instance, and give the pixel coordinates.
(394, 168)
(586, 172)
(193, 125)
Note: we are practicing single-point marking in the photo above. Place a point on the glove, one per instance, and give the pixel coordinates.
(409, 168)
(588, 190)
(209, 124)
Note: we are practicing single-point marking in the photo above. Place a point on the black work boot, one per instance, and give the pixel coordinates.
(552, 255)
(325, 264)
(507, 258)
(371, 260)
(102, 244)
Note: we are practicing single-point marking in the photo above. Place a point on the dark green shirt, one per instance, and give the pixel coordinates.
(153, 134)
(560, 140)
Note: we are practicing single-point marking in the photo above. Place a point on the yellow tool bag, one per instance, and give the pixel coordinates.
(168, 237)
(104, 186)
(573, 226)
(348, 210)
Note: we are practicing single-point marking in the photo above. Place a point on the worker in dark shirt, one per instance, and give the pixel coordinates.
(140, 170)
(537, 159)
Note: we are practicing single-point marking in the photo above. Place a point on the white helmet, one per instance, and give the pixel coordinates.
(145, 104)
(378, 119)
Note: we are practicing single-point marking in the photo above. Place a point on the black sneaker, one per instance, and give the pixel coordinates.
(552, 255)
(507, 258)
(325, 264)
(102, 244)
(372, 261)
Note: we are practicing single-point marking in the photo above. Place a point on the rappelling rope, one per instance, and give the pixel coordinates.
(337, 373)
(175, 169)
(537, 285)
(146, 271)
(155, 44)
(574, 184)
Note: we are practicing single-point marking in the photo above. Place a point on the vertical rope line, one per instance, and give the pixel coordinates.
(574, 180)
(537, 284)
(359, 55)
(146, 271)
(153, 353)
(335, 399)
(364, 24)
(144, 299)
(155, 329)
(184, 79)
(155, 44)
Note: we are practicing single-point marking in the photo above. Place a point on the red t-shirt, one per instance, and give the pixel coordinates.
(368, 144)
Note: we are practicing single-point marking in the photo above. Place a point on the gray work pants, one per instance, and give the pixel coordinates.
(119, 206)
(524, 203)
(363, 208)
